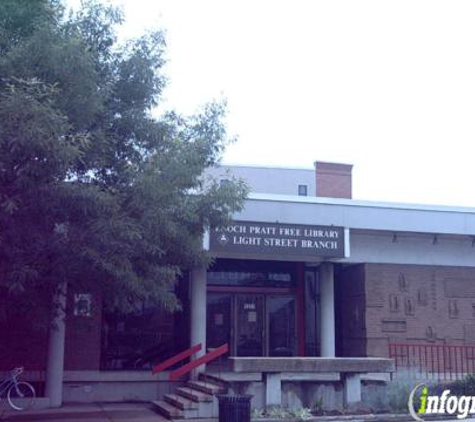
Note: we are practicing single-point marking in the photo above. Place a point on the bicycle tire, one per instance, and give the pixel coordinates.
(21, 395)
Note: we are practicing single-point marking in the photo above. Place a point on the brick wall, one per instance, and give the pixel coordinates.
(23, 341)
(83, 335)
(418, 304)
(333, 180)
(24, 336)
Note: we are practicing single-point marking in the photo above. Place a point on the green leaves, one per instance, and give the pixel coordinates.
(94, 190)
(19, 19)
(34, 145)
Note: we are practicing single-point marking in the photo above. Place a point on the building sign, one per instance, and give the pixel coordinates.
(284, 239)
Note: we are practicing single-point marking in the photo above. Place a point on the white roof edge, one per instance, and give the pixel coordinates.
(359, 203)
(265, 166)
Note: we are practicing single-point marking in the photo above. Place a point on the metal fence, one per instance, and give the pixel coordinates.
(432, 362)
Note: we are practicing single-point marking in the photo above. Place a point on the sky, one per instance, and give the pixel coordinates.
(388, 86)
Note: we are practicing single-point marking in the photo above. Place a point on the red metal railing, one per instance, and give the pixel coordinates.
(431, 361)
(177, 358)
(177, 373)
(198, 362)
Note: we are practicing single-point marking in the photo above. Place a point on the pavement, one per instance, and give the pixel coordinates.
(141, 412)
(91, 412)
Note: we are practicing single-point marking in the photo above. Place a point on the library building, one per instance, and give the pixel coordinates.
(310, 294)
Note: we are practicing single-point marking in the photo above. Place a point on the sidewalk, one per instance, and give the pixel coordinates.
(141, 412)
(91, 412)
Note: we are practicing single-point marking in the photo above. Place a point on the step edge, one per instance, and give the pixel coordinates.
(175, 398)
(161, 406)
(197, 395)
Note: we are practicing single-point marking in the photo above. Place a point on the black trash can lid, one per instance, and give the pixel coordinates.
(234, 397)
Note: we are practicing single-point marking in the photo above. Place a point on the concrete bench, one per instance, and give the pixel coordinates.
(350, 370)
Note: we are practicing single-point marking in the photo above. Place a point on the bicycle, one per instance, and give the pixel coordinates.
(20, 394)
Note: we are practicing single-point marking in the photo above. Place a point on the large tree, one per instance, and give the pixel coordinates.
(95, 191)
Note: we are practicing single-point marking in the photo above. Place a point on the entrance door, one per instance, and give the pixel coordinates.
(282, 321)
(250, 325)
(219, 325)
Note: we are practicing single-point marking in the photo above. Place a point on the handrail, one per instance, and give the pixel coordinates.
(177, 358)
(177, 373)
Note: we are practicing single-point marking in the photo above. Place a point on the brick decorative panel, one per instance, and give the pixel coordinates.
(394, 303)
(375, 295)
(409, 306)
(423, 296)
(422, 304)
(459, 287)
(403, 282)
(393, 326)
(453, 309)
(469, 332)
(431, 335)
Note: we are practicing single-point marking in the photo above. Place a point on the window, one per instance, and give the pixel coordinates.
(303, 190)
(146, 335)
(233, 272)
(281, 317)
(137, 340)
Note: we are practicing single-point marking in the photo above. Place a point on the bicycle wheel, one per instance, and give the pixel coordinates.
(21, 395)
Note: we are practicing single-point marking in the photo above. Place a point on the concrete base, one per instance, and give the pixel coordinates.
(273, 389)
(326, 396)
(240, 377)
(352, 389)
(115, 386)
(285, 376)
(299, 376)
(89, 392)
(304, 369)
(311, 364)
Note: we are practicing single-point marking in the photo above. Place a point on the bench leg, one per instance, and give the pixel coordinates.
(273, 389)
(352, 389)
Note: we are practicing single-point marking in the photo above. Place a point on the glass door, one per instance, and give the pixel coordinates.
(219, 322)
(250, 325)
(282, 321)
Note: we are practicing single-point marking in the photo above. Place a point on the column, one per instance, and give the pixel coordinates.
(198, 311)
(327, 310)
(55, 364)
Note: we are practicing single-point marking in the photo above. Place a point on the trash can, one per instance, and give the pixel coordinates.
(234, 408)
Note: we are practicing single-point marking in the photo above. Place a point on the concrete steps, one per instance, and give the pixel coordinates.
(195, 395)
(181, 402)
(206, 387)
(169, 411)
(196, 401)
(215, 379)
